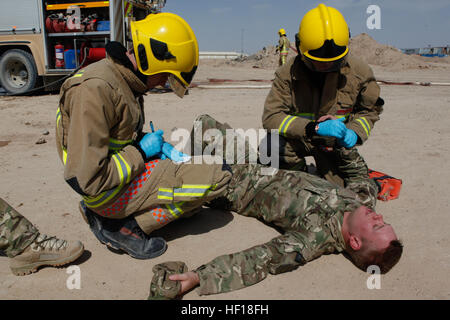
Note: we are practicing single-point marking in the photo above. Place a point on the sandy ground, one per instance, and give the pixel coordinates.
(411, 142)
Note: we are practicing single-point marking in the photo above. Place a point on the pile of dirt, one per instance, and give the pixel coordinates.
(372, 52)
(267, 58)
(362, 46)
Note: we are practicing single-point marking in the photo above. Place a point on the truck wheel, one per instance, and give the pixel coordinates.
(18, 72)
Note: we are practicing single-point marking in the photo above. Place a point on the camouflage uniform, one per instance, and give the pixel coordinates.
(161, 287)
(308, 208)
(16, 232)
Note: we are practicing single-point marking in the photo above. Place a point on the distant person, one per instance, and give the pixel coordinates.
(323, 98)
(28, 249)
(283, 46)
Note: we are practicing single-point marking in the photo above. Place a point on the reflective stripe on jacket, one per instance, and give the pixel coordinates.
(97, 119)
(296, 98)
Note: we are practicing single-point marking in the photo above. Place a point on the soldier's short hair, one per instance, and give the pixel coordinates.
(385, 259)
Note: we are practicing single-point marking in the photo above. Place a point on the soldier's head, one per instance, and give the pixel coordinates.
(165, 48)
(323, 39)
(370, 241)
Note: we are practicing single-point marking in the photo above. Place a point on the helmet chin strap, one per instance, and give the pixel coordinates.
(119, 53)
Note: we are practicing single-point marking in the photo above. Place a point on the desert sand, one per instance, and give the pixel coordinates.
(411, 142)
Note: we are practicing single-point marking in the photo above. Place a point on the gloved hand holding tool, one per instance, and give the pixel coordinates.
(168, 151)
(152, 143)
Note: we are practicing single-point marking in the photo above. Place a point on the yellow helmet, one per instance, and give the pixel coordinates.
(323, 34)
(282, 32)
(164, 42)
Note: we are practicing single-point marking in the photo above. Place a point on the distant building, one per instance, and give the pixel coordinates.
(429, 52)
(220, 55)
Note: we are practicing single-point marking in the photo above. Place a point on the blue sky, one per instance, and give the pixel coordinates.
(218, 25)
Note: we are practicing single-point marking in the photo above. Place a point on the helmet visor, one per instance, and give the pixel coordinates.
(177, 86)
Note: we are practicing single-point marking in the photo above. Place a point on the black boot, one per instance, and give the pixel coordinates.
(126, 235)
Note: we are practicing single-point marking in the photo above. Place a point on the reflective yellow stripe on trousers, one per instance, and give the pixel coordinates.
(186, 190)
(175, 209)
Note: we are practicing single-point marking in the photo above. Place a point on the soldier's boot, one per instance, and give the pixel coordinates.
(45, 251)
(124, 235)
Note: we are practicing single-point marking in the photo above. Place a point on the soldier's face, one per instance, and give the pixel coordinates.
(370, 227)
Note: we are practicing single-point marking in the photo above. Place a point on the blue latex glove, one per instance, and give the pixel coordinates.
(173, 154)
(332, 128)
(152, 143)
(349, 139)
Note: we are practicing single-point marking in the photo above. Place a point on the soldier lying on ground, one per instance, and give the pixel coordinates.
(317, 217)
(27, 248)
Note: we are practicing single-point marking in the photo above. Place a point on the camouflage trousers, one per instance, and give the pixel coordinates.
(16, 232)
(340, 166)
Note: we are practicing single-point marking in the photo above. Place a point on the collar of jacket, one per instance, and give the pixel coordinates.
(136, 85)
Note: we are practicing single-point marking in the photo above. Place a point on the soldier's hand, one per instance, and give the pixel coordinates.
(188, 280)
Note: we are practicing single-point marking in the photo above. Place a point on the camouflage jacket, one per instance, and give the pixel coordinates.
(309, 209)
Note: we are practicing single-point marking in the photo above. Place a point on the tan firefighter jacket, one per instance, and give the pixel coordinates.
(297, 98)
(100, 113)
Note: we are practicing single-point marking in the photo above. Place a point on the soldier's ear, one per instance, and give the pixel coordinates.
(355, 242)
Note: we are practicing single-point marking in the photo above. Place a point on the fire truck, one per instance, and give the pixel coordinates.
(42, 42)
